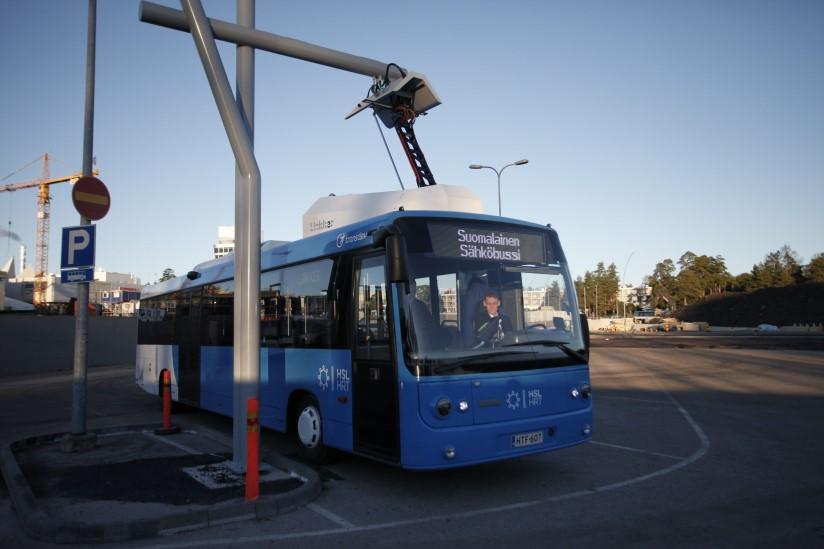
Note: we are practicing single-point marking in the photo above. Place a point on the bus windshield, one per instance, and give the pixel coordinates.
(484, 299)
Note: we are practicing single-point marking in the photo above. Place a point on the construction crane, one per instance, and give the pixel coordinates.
(43, 216)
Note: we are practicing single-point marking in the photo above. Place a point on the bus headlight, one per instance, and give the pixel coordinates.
(443, 406)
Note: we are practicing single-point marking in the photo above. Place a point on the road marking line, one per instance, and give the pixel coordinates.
(172, 443)
(632, 399)
(639, 450)
(239, 518)
(337, 519)
(115, 434)
(695, 456)
(182, 529)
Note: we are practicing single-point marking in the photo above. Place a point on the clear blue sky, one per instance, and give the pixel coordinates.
(651, 128)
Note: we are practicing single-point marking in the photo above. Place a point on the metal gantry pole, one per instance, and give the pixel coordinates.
(246, 198)
(499, 190)
(240, 133)
(81, 324)
(247, 225)
(290, 47)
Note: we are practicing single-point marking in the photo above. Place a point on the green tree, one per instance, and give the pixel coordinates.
(168, 274)
(743, 283)
(698, 276)
(814, 270)
(598, 291)
(662, 282)
(779, 268)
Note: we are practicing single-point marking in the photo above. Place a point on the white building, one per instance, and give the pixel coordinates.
(638, 296)
(225, 241)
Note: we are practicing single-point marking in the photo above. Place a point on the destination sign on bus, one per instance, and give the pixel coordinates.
(472, 242)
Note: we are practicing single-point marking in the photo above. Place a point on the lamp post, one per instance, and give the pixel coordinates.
(498, 173)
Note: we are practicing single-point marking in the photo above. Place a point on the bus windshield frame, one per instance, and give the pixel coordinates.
(485, 296)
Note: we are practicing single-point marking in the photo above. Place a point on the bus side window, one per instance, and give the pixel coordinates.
(299, 313)
(218, 314)
(271, 308)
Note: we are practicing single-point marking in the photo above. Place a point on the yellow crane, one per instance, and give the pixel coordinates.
(43, 215)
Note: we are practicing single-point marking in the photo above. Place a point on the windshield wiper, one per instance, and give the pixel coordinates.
(559, 344)
(454, 364)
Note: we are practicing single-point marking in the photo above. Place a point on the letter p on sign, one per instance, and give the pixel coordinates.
(78, 247)
(78, 241)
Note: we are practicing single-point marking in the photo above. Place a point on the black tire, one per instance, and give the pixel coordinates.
(308, 429)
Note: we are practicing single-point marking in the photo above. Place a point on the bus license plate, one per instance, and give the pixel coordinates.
(527, 439)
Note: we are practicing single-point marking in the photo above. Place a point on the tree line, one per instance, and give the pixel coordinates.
(694, 277)
(597, 291)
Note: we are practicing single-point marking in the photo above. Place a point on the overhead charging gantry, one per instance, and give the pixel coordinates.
(397, 96)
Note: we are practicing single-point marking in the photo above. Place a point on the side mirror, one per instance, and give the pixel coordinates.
(585, 330)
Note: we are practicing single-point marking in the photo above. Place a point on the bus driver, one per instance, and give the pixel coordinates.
(490, 324)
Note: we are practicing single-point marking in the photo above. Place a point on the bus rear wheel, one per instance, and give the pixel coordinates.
(308, 430)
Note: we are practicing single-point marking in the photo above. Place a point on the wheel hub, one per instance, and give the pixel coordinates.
(309, 427)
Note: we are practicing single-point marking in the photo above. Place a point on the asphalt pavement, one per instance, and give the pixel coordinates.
(137, 481)
(700, 445)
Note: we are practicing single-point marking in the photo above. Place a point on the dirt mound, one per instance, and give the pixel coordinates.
(799, 304)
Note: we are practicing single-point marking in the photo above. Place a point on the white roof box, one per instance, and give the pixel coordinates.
(332, 211)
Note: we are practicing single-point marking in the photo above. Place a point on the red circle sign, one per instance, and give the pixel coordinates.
(91, 198)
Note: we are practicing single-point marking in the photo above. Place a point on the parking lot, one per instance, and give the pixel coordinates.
(693, 445)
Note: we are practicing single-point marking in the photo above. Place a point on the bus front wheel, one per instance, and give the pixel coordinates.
(308, 430)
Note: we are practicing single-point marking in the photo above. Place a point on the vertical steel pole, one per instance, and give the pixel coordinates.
(499, 191)
(247, 219)
(247, 202)
(81, 324)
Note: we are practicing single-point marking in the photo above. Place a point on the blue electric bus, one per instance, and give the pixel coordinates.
(370, 341)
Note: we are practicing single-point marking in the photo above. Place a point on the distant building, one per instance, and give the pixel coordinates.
(106, 289)
(638, 296)
(225, 241)
(3, 277)
(534, 299)
(127, 279)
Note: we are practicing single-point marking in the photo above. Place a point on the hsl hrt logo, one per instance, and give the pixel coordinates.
(341, 238)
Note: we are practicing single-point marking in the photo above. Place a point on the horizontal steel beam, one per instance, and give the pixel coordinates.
(244, 36)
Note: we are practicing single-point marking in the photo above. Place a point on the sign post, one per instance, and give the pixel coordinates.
(78, 439)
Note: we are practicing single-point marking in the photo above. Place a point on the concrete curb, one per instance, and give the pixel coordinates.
(37, 524)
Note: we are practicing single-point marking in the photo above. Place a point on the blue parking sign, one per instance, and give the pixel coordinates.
(78, 247)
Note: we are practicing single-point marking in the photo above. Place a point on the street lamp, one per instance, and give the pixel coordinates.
(498, 173)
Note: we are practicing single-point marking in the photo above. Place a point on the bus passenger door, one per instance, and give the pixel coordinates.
(375, 387)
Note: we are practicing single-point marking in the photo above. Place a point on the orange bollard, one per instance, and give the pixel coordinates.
(167, 399)
(253, 448)
(166, 390)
